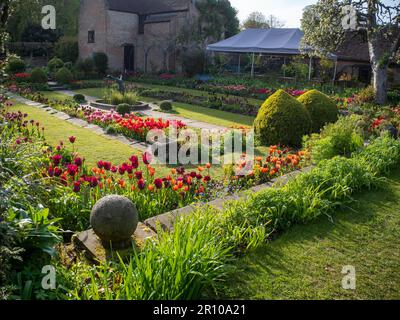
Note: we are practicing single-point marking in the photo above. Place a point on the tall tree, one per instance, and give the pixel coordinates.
(218, 19)
(326, 23)
(5, 11)
(256, 20)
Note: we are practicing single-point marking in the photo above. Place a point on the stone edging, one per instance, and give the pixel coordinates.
(166, 221)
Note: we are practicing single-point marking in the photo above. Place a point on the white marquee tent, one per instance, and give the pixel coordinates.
(275, 41)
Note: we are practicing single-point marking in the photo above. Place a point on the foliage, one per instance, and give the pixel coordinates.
(80, 98)
(67, 50)
(341, 138)
(175, 266)
(100, 60)
(282, 120)
(116, 98)
(123, 109)
(86, 66)
(15, 65)
(55, 64)
(64, 76)
(217, 17)
(325, 22)
(38, 75)
(256, 20)
(366, 95)
(166, 105)
(322, 109)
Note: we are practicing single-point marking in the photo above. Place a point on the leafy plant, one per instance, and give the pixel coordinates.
(341, 138)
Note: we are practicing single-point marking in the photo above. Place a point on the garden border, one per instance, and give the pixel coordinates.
(140, 146)
(166, 220)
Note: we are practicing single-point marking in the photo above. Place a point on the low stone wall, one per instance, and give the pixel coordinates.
(167, 220)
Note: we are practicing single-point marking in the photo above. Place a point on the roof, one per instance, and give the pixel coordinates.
(354, 48)
(272, 41)
(141, 7)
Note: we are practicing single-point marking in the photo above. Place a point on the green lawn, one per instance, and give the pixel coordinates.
(217, 117)
(306, 262)
(54, 95)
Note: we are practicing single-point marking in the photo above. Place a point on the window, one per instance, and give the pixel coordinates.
(91, 37)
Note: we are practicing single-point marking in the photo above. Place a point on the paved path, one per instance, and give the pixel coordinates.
(80, 123)
(156, 114)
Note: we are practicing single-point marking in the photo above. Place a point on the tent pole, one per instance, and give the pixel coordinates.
(284, 69)
(334, 72)
(239, 64)
(310, 69)
(252, 66)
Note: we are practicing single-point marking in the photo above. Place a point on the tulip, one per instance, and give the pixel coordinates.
(72, 139)
(141, 184)
(158, 183)
(77, 186)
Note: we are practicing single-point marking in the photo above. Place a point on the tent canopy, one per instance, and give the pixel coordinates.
(271, 41)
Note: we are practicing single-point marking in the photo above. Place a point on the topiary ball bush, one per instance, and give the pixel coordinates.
(166, 105)
(322, 109)
(38, 76)
(64, 76)
(80, 98)
(282, 120)
(55, 64)
(123, 109)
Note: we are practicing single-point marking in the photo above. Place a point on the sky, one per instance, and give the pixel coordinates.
(288, 11)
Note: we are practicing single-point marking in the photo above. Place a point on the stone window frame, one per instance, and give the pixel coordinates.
(91, 36)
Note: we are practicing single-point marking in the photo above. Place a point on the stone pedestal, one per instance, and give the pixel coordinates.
(94, 249)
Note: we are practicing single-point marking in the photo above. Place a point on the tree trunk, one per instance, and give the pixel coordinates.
(380, 82)
(378, 48)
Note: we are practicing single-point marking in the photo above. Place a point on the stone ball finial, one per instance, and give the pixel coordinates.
(114, 220)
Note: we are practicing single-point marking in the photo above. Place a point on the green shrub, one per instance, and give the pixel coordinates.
(123, 109)
(80, 98)
(115, 97)
(322, 109)
(69, 66)
(166, 106)
(67, 50)
(341, 138)
(38, 76)
(55, 64)
(15, 65)
(100, 60)
(111, 130)
(282, 120)
(86, 66)
(366, 95)
(64, 76)
(130, 98)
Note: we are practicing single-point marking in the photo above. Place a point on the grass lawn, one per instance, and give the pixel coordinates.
(217, 117)
(54, 95)
(306, 262)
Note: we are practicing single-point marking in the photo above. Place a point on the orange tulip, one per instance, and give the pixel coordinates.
(151, 188)
(173, 171)
(208, 165)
